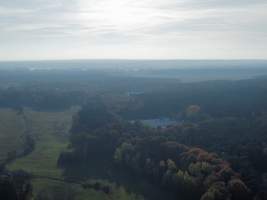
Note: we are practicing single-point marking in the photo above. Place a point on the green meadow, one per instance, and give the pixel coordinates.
(50, 132)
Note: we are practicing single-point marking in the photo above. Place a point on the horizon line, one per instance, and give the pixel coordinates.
(135, 59)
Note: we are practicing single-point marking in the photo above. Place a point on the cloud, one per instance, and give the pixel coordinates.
(153, 23)
(91, 16)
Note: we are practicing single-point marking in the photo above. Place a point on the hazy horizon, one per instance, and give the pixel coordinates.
(137, 59)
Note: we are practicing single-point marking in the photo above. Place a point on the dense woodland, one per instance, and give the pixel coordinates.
(159, 155)
(217, 150)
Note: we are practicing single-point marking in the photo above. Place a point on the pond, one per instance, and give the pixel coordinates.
(159, 122)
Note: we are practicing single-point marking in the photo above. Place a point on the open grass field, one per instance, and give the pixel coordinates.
(50, 132)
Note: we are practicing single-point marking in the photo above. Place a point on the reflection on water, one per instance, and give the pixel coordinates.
(159, 122)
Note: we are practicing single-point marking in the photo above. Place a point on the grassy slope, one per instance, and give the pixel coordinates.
(49, 129)
(50, 132)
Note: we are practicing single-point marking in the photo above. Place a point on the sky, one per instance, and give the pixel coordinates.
(133, 29)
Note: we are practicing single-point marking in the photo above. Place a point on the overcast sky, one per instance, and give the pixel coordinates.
(156, 29)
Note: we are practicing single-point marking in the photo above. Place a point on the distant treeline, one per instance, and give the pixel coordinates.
(61, 89)
(243, 98)
(39, 98)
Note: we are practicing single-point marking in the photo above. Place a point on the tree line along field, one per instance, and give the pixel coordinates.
(11, 132)
(48, 130)
(50, 133)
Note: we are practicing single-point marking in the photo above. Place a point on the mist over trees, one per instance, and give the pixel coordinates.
(214, 149)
